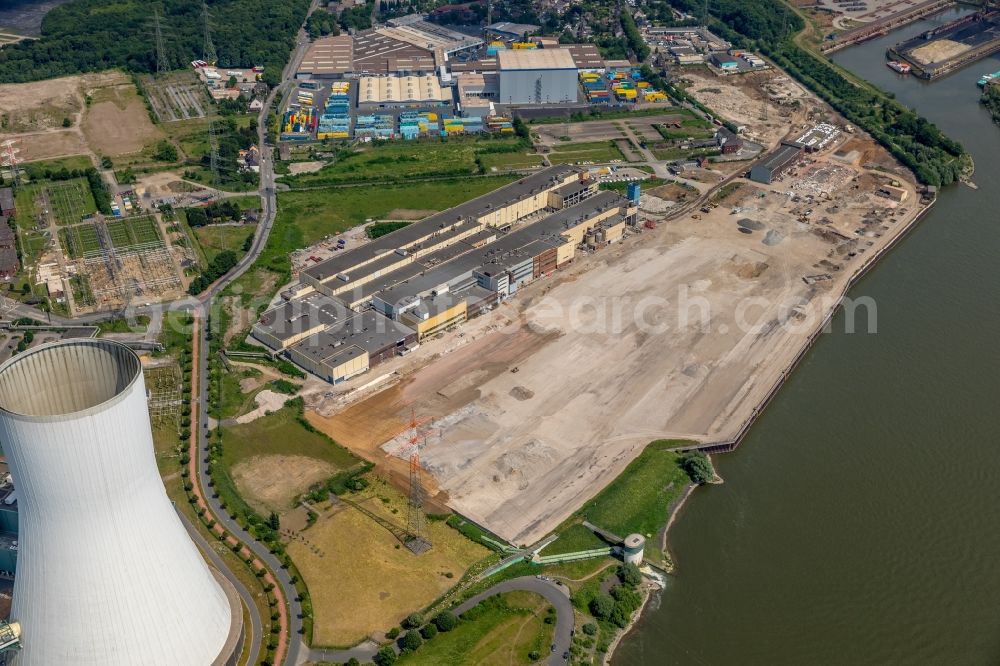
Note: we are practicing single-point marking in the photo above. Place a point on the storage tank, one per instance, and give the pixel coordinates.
(634, 546)
(106, 573)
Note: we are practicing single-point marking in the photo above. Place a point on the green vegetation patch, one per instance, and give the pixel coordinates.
(79, 239)
(592, 151)
(397, 160)
(215, 238)
(505, 629)
(281, 433)
(637, 500)
(501, 161)
(574, 539)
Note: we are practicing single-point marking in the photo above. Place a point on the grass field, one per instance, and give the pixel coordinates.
(78, 240)
(214, 238)
(592, 151)
(637, 500)
(131, 231)
(275, 458)
(36, 170)
(502, 161)
(501, 631)
(573, 539)
(351, 601)
(398, 160)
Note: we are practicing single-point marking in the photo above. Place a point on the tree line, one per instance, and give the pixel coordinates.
(94, 35)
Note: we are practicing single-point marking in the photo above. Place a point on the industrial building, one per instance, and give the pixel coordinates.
(509, 30)
(9, 264)
(775, 163)
(402, 91)
(328, 57)
(476, 93)
(7, 207)
(537, 76)
(818, 137)
(380, 299)
(106, 572)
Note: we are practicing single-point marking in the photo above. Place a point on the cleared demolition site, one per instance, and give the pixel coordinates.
(660, 329)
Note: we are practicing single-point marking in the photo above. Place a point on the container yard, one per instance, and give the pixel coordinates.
(622, 87)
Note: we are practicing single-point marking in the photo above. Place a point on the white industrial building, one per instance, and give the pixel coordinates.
(537, 76)
(106, 573)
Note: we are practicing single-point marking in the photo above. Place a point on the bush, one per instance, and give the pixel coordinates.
(590, 629)
(429, 631)
(410, 641)
(629, 575)
(445, 621)
(601, 606)
(413, 620)
(698, 466)
(385, 656)
(392, 633)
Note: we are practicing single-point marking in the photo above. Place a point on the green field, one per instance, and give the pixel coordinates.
(79, 239)
(502, 161)
(637, 500)
(129, 232)
(574, 539)
(215, 238)
(593, 151)
(507, 629)
(280, 433)
(398, 160)
(36, 170)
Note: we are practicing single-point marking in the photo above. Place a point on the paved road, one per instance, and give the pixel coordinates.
(255, 630)
(556, 594)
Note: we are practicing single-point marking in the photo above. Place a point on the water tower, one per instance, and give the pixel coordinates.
(633, 548)
(106, 573)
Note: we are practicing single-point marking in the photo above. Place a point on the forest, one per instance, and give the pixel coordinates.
(94, 35)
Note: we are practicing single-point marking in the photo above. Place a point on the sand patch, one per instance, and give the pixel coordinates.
(408, 214)
(296, 168)
(113, 129)
(270, 483)
(936, 51)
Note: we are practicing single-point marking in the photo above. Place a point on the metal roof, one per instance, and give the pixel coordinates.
(532, 59)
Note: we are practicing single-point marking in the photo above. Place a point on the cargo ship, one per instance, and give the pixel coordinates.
(986, 78)
(900, 67)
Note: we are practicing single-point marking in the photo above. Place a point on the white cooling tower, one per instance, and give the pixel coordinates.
(106, 574)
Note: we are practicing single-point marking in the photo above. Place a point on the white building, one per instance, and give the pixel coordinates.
(537, 76)
(106, 573)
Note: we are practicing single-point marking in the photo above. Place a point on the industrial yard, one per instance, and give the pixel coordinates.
(520, 445)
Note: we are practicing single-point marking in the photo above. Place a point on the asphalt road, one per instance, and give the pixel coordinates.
(556, 594)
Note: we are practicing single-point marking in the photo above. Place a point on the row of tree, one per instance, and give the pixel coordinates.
(94, 35)
(991, 100)
(218, 267)
(220, 211)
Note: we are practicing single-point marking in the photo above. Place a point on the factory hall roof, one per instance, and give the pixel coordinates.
(781, 156)
(368, 330)
(296, 317)
(586, 56)
(406, 89)
(532, 59)
(329, 56)
(377, 53)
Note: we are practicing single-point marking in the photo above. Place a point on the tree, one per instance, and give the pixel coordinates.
(413, 620)
(601, 606)
(67, 122)
(165, 152)
(410, 641)
(445, 621)
(352, 662)
(385, 656)
(590, 628)
(274, 521)
(392, 633)
(106, 162)
(698, 466)
(429, 631)
(629, 575)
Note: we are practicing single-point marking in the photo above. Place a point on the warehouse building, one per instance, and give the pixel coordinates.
(387, 92)
(9, 264)
(327, 57)
(382, 298)
(537, 76)
(376, 53)
(7, 207)
(586, 57)
(775, 163)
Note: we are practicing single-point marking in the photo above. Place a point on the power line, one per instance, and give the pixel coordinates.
(210, 55)
(161, 53)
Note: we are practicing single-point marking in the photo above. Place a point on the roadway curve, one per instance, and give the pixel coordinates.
(555, 593)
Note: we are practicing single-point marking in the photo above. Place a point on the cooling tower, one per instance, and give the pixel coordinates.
(106, 573)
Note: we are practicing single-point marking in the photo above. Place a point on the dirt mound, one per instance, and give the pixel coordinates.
(753, 225)
(750, 269)
(270, 483)
(521, 393)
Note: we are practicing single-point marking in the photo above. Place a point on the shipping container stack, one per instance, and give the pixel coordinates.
(335, 123)
(377, 126)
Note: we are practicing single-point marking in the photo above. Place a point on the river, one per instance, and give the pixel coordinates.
(860, 519)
